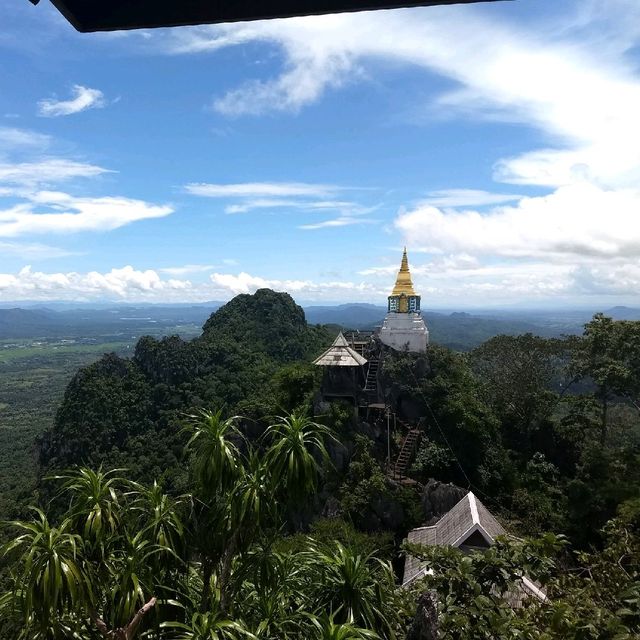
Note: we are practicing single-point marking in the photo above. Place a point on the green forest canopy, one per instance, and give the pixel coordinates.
(546, 430)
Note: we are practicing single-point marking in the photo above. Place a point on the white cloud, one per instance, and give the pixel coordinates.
(22, 139)
(295, 196)
(342, 221)
(569, 78)
(133, 285)
(467, 198)
(576, 220)
(32, 250)
(345, 207)
(47, 171)
(36, 210)
(126, 283)
(187, 268)
(55, 212)
(306, 289)
(83, 98)
(260, 189)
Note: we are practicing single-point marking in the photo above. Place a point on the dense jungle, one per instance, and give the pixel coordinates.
(193, 490)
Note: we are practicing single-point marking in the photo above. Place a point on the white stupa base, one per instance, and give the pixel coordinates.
(405, 332)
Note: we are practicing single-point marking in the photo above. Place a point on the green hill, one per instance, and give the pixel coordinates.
(129, 412)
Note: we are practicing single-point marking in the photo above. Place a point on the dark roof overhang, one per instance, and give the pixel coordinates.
(112, 15)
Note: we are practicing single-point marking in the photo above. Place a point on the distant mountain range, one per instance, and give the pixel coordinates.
(458, 330)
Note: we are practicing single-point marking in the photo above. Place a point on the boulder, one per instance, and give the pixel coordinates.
(438, 498)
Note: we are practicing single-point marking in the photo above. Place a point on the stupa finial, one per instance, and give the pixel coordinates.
(403, 281)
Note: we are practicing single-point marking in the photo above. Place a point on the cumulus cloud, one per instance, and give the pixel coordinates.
(83, 98)
(56, 212)
(306, 289)
(130, 284)
(125, 283)
(574, 221)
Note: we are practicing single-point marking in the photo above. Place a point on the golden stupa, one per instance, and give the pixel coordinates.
(403, 281)
(404, 328)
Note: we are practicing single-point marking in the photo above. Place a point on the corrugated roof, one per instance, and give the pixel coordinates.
(340, 354)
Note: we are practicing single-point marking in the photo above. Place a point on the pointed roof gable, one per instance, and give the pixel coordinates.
(469, 523)
(340, 354)
(403, 281)
(467, 519)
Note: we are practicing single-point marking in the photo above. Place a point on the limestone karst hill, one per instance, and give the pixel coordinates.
(129, 413)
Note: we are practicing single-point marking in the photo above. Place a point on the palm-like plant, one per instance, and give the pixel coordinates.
(324, 628)
(211, 625)
(354, 589)
(271, 593)
(296, 444)
(159, 517)
(95, 504)
(50, 580)
(252, 503)
(131, 579)
(216, 458)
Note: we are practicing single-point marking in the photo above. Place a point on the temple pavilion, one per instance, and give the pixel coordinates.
(344, 374)
(404, 328)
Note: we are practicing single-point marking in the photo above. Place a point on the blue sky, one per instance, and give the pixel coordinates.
(499, 142)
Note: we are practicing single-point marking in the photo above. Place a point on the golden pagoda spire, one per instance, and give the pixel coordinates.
(403, 281)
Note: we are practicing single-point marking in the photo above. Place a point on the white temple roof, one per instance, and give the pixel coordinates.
(340, 354)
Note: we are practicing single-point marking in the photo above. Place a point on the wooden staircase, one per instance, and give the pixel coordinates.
(409, 447)
(371, 383)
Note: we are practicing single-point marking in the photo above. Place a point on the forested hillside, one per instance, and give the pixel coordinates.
(205, 474)
(129, 413)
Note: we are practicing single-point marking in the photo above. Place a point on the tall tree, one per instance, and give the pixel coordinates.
(609, 355)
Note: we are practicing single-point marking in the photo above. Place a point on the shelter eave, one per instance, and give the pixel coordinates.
(114, 15)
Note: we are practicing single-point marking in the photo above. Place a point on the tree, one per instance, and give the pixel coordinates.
(353, 589)
(214, 449)
(441, 389)
(295, 455)
(518, 375)
(609, 355)
(95, 571)
(589, 596)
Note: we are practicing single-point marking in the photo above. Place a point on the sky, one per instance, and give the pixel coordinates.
(499, 142)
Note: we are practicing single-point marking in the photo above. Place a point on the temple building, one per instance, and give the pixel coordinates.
(403, 328)
(468, 526)
(344, 374)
